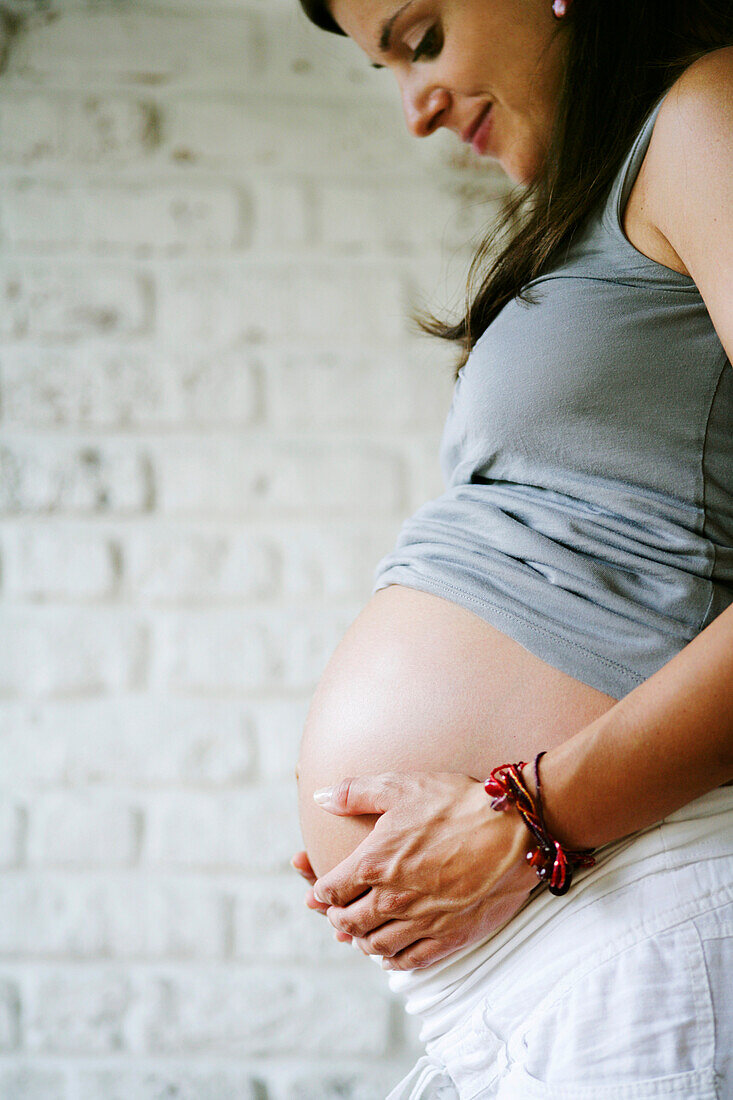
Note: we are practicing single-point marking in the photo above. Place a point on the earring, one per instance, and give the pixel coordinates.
(560, 8)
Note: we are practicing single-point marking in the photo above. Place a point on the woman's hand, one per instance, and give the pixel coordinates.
(302, 865)
(439, 870)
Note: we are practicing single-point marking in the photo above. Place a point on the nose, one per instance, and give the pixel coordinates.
(425, 107)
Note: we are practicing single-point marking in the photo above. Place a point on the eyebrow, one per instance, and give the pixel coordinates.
(386, 34)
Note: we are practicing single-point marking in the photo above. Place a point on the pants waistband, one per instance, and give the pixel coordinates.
(442, 994)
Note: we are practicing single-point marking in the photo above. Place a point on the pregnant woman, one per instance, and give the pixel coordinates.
(561, 615)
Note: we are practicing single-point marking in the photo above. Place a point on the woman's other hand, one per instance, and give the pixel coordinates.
(439, 871)
(302, 865)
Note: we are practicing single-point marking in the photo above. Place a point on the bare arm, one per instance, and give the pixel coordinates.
(415, 889)
(664, 744)
(671, 739)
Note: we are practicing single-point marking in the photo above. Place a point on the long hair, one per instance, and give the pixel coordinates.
(620, 58)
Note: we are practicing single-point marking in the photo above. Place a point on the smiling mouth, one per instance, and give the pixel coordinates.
(468, 134)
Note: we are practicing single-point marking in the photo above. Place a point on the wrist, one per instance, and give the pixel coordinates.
(514, 840)
(520, 846)
(503, 842)
(512, 788)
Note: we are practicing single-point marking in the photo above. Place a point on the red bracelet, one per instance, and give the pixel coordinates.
(553, 863)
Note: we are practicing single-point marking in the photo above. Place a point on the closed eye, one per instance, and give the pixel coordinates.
(430, 46)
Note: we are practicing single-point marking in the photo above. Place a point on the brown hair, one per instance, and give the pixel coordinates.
(621, 57)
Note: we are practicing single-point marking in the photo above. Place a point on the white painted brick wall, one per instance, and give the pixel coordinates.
(214, 416)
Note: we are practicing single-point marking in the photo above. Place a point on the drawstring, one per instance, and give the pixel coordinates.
(427, 1080)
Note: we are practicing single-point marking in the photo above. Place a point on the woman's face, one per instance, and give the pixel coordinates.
(490, 70)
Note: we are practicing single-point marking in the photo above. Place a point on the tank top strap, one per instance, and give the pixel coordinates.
(627, 257)
(629, 170)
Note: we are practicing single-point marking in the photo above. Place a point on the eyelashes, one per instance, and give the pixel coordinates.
(429, 47)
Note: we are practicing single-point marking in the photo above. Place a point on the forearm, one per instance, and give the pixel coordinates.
(663, 745)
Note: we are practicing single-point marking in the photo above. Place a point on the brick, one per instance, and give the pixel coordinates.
(137, 741)
(264, 1011)
(145, 150)
(90, 386)
(215, 652)
(207, 389)
(186, 563)
(31, 129)
(475, 192)
(69, 302)
(278, 726)
(334, 1083)
(32, 1083)
(115, 129)
(9, 1016)
(80, 829)
(58, 651)
(100, 386)
(12, 831)
(250, 829)
(226, 651)
(138, 49)
(143, 219)
(282, 214)
(225, 5)
(340, 138)
(33, 214)
(39, 564)
(168, 46)
(341, 389)
(181, 1082)
(51, 915)
(426, 476)
(271, 921)
(356, 217)
(231, 477)
(81, 1011)
(438, 284)
(334, 561)
(73, 129)
(253, 303)
(304, 62)
(41, 476)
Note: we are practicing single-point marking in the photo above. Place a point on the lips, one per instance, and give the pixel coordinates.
(469, 134)
(480, 142)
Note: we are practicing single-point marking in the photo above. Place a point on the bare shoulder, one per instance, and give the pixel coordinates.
(706, 82)
(689, 164)
(689, 181)
(697, 114)
(686, 136)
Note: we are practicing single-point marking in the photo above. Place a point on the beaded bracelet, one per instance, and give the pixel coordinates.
(553, 863)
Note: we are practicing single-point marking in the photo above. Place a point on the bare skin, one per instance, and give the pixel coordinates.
(446, 72)
(450, 57)
(422, 686)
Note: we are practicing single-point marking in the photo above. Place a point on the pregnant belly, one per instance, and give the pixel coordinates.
(418, 683)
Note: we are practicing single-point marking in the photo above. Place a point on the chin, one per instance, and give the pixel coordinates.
(521, 174)
(522, 164)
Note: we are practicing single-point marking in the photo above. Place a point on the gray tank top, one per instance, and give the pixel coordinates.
(588, 464)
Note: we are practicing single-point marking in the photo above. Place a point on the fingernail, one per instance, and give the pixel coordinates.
(324, 795)
(318, 897)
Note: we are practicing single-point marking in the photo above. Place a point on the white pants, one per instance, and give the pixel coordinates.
(621, 990)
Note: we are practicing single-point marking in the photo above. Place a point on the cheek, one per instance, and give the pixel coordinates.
(517, 147)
